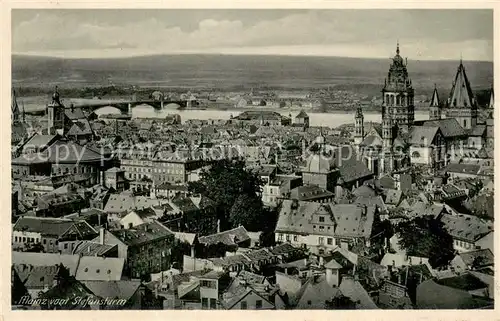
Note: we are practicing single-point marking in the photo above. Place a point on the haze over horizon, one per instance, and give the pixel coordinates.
(423, 34)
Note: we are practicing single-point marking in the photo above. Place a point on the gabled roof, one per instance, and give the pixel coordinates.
(485, 254)
(355, 291)
(89, 248)
(229, 237)
(431, 295)
(449, 127)
(461, 95)
(302, 114)
(122, 289)
(27, 259)
(50, 226)
(423, 135)
(345, 220)
(95, 268)
(143, 233)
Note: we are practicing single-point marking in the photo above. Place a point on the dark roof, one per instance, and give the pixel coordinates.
(449, 127)
(229, 237)
(52, 226)
(431, 295)
(309, 193)
(302, 114)
(143, 233)
(485, 254)
(74, 113)
(463, 168)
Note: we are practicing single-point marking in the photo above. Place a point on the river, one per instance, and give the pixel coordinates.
(332, 119)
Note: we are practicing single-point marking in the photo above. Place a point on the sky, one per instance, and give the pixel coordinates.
(423, 34)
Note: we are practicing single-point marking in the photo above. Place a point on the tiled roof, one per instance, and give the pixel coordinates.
(88, 248)
(355, 291)
(143, 233)
(95, 268)
(51, 226)
(38, 141)
(74, 113)
(466, 227)
(478, 130)
(27, 259)
(463, 168)
(122, 289)
(449, 127)
(40, 276)
(346, 220)
(229, 237)
(423, 135)
(485, 254)
(309, 193)
(431, 295)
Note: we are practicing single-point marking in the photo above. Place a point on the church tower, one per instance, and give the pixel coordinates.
(492, 99)
(461, 103)
(398, 94)
(55, 115)
(387, 137)
(14, 116)
(359, 127)
(435, 106)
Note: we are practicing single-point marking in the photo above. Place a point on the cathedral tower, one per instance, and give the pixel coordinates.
(398, 94)
(461, 103)
(435, 106)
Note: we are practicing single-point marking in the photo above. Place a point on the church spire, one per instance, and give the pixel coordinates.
(492, 99)
(435, 98)
(461, 95)
(14, 107)
(397, 48)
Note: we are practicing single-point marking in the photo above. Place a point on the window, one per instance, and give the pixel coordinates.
(322, 219)
(213, 304)
(321, 240)
(288, 237)
(243, 305)
(330, 241)
(204, 303)
(465, 123)
(295, 238)
(258, 304)
(65, 246)
(309, 302)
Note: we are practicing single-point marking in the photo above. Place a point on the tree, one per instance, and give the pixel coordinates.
(426, 237)
(224, 183)
(247, 211)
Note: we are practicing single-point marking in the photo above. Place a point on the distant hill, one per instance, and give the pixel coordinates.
(227, 72)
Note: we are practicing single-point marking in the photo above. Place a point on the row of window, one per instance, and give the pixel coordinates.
(464, 245)
(24, 239)
(74, 170)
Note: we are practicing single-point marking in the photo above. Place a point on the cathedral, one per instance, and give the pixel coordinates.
(453, 128)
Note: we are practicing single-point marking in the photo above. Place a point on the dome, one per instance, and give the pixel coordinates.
(320, 140)
(318, 163)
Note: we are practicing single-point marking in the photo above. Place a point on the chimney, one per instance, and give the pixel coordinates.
(218, 226)
(101, 236)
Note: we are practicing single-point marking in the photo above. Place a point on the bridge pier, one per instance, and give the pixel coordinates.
(129, 108)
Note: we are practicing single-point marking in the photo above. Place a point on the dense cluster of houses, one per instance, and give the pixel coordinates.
(101, 210)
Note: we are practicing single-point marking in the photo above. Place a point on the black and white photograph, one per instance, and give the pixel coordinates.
(251, 159)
